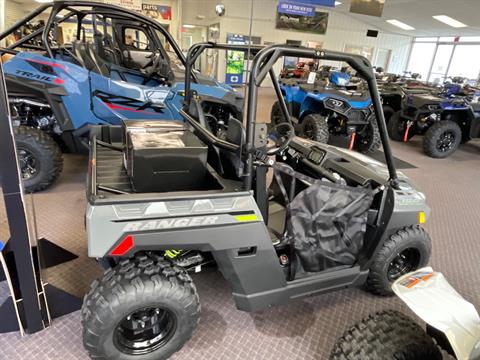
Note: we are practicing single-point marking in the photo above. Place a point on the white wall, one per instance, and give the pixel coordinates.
(342, 29)
(14, 11)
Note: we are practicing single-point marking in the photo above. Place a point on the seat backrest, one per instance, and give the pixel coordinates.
(83, 53)
(99, 63)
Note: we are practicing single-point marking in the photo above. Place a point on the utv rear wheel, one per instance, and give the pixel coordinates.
(145, 307)
(315, 127)
(369, 138)
(39, 156)
(442, 139)
(397, 126)
(386, 335)
(405, 251)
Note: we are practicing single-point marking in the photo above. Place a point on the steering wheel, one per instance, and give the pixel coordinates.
(279, 137)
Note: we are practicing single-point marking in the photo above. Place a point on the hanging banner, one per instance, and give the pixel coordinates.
(287, 7)
(329, 3)
(127, 4)
(317, 23)
(157, 12)
(367, 7)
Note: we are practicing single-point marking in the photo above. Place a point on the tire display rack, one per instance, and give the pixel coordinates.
(32, 303)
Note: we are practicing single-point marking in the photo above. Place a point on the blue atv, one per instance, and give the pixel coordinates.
(331, 112)
(94, 63)
(446, 118)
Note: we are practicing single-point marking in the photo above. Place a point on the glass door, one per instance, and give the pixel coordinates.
(440, 64)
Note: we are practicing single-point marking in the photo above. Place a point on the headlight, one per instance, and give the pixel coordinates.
(337, 105)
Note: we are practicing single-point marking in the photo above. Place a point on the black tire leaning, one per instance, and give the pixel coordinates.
(144, 281)
(46, 152)
(396, 128)
(411, 237)
(276, 115)
(315, 127)
(433, 134)
(371, 141)
(386, 335)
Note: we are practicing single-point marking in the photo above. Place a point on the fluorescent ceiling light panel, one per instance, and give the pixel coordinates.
(337, 3)
(400, 24)
(449, 21)
(189, 26)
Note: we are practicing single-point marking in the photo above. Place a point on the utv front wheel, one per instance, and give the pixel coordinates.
(144, 307)
(39, 156)
(386, 335)
(442, 139)
(405, 251)
(315, 127)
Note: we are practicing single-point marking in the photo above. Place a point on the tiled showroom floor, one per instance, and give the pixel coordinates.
(304, 329)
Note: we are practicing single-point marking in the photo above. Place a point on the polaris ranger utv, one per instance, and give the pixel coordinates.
(175, 196)
(93, 63)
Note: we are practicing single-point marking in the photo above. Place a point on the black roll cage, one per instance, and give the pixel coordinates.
(262, 65)
(111, 11)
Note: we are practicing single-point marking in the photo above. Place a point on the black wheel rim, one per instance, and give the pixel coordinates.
(401, 127)
(446, 141)
(145, 330)
(405, 262)
(29, 165)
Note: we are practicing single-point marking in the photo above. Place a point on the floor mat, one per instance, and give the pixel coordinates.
(399, 163)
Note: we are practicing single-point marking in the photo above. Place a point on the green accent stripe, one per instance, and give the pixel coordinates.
(249, 217)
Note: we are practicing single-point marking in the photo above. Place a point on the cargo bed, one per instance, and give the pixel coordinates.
(109, 183)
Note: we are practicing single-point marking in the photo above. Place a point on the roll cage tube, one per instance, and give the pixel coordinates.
(196, 50)
(263, 63)
(192, 55)
(112, 10)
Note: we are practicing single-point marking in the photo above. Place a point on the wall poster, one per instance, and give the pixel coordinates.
(157, 12)
(236, 60)
(303, 18)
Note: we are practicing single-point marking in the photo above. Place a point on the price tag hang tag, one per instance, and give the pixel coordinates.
(311, 77)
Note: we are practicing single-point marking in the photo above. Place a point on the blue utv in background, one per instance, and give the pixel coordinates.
(331, 112)
(117, 64)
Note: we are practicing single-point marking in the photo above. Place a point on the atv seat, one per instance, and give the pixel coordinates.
(351, 95)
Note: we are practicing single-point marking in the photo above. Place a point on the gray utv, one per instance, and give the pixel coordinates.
(167, 199)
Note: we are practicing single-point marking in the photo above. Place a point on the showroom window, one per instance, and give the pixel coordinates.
(135, 39)
(437, 58)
